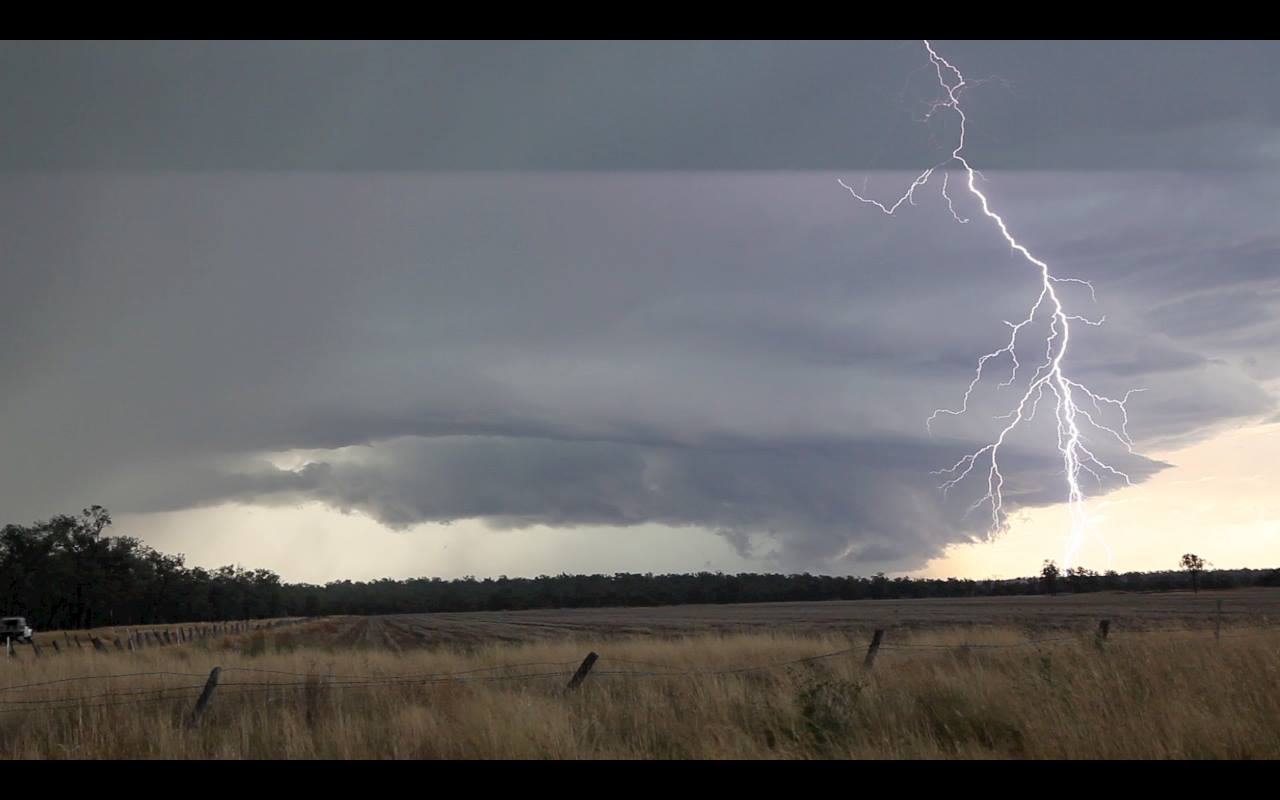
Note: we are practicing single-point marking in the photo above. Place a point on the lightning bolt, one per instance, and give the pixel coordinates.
(1075, 406)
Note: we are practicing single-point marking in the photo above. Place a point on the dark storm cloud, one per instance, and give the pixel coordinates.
(820, 503)
(745, 351)
(629, 105)
(749, 353)
(1216, 313)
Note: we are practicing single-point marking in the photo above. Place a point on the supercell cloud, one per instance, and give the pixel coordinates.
(666, 329)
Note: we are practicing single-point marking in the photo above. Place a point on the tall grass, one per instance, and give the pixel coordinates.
(1151, 695)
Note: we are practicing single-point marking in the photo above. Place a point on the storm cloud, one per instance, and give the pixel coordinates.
(744, 350)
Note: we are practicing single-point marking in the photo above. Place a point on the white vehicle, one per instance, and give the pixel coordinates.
(16, 629)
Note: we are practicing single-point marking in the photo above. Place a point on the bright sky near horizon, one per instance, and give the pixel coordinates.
(1217, 501)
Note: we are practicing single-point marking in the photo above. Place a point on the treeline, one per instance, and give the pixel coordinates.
(66, 573)
(628, 589)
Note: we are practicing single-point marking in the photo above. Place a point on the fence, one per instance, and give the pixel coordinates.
(136, 639)
(199, 689)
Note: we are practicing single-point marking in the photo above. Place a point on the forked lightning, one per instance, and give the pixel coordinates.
(1075, 406)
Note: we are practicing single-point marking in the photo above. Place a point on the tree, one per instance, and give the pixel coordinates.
(1195, 565)
(1081, 578)
(1049, 575)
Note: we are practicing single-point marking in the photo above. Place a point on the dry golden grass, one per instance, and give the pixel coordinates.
(1149, 695)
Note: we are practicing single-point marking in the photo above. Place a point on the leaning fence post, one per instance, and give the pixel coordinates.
(97, 644)
(581, 674)
(205, 697)
(56, 648)
(873, 648)
(1104, 628)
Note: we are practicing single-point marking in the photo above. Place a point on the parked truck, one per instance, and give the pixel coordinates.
(16, 629)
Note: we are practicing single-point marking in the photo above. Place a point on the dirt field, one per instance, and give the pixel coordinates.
(1127, 612)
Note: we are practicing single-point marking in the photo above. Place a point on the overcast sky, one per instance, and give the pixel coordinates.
(604, 306)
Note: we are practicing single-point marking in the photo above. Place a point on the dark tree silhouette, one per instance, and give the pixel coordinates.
(1195, 565)
(1082, 579)
(1049, 573)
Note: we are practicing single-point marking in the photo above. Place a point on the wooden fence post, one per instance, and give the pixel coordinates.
(8, 645)
(1100, 638)
(205, 697)
(56, 648)
(97, 644)
(581, 674)
(873, 648)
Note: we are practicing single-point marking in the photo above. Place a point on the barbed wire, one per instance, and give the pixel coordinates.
(82, 706)
(523, 665)
(99, 696)
(102, 677)
(978, 646)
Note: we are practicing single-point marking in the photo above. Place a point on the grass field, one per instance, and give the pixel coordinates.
(779, 681)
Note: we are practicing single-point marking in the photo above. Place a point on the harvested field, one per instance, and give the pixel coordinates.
(1127, 612)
